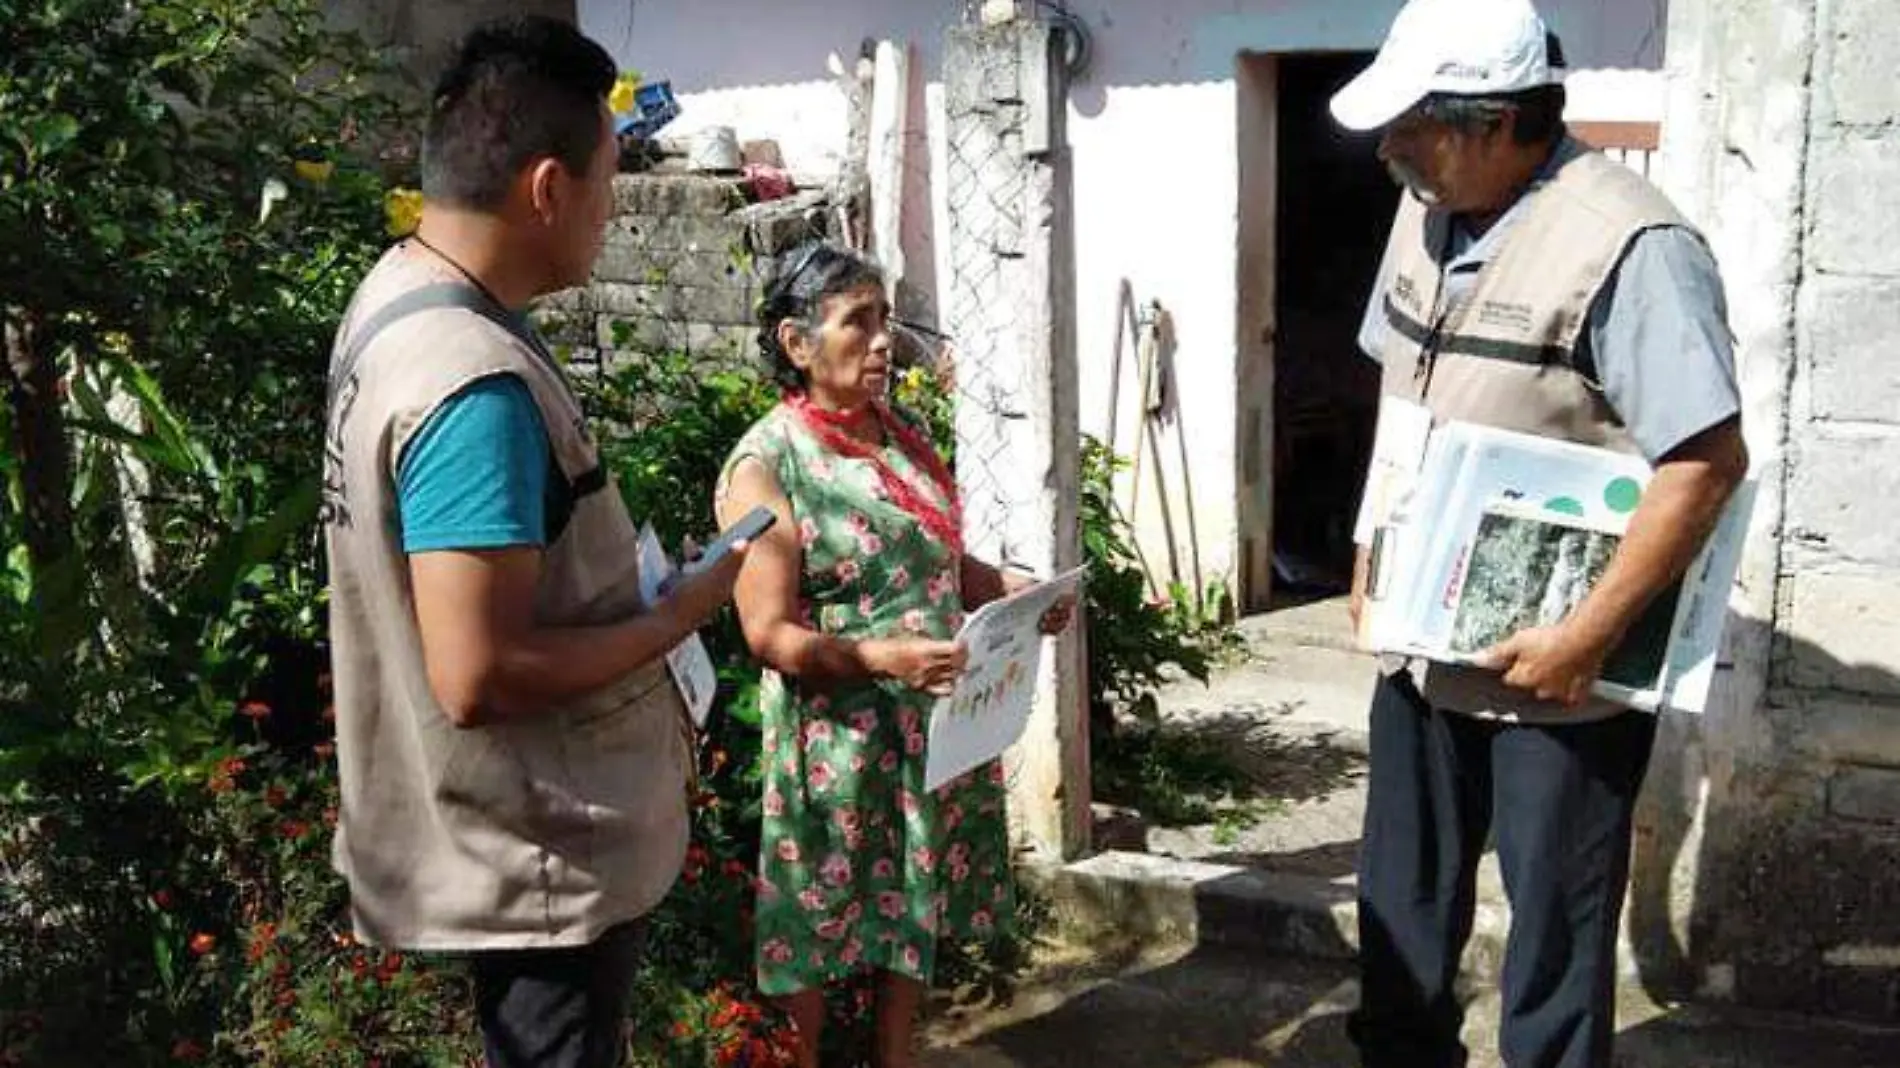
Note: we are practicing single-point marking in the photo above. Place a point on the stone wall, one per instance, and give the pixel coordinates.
(679, 271)
(1769, 854)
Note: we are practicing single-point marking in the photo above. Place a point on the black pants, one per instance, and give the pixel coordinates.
(558, 1008)
(1560, 800)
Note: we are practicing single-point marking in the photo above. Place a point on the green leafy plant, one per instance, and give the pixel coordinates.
(1138, 643)
(1150, 636)
(188, 193)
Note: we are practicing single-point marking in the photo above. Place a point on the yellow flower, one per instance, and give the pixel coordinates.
(314, 170)
(403, 210)
(620, 100)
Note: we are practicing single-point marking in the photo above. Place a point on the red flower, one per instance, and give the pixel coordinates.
(736, 870)
(163, 899)
(187, 1050)
(255, 710)
(329, 817)
(224, 777)
(276, 796)
(261, 938)
(203, 943)
(324, 750)
(295, 830)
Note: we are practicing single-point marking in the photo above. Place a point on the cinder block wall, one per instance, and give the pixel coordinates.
(680, 271)
(1769, 859)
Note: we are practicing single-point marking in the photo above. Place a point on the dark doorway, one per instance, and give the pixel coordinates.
(1335, 206)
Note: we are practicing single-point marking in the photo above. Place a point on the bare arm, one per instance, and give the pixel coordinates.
(767, 597)
(1678, 511)
(489, 661)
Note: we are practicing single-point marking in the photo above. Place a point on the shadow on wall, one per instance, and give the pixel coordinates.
(1786, 894)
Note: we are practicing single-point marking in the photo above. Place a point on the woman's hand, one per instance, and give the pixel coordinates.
(1059, 616)
(922, 664)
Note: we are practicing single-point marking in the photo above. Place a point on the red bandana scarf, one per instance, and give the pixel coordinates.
(831, 430)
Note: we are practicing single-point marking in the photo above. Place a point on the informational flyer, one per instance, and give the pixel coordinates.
(1502, 531)
(1398, 449)
(991, 704)
(688, 662)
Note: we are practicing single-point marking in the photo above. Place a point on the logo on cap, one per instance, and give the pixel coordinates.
(1464, 72)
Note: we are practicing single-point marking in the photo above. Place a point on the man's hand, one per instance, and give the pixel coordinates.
(1557, 663)
(931, 667)
(692, 597)
(1678, 510)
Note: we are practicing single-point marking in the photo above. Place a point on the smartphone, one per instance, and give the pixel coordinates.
(748, 528)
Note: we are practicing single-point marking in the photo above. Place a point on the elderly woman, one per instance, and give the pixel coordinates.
(852, 601)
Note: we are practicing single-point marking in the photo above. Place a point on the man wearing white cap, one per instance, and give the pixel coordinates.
(1534, 285)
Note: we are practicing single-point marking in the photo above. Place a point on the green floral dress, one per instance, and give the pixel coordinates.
(859, 867)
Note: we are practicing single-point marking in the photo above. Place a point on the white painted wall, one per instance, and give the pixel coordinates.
(1152, 130)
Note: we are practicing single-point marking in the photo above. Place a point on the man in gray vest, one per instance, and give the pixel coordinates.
(514, 757)
(1534, 285)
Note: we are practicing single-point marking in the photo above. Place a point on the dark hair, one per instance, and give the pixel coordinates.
(519, 89)
(1539, 111)
(801, 280)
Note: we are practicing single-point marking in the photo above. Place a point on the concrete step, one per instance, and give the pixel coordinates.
(1138, 902)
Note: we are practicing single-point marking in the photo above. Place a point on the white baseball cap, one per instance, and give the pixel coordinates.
(1463, 47)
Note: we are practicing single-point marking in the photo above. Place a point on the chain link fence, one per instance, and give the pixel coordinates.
(988, 183)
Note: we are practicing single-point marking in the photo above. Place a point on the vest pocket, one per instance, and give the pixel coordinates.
(627, 770)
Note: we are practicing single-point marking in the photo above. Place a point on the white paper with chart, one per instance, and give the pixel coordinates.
(991, 705)
(688, 662)
(1501, 531)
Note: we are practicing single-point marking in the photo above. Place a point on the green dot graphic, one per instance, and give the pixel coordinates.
(1622, 494)
(1564, 506)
